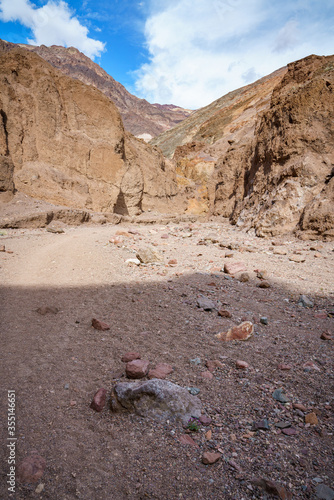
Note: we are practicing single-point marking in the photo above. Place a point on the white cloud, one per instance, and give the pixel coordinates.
(52, 24)
(200, 50)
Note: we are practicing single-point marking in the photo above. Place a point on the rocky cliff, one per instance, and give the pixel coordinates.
(64, 142)
(139, 117)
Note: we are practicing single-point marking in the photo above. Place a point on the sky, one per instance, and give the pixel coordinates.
(182, 52)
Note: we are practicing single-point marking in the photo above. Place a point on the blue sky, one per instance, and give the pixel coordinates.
(185, 52)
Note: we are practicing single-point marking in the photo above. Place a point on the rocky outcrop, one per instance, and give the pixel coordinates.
(63, 141)
(141, 118)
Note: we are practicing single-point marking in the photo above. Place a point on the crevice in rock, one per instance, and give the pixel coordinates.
(4, 121)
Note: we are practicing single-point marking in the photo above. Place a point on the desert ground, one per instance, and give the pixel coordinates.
(54, 283)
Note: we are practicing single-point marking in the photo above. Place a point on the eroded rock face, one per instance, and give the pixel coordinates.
(158, 399)
(67, 143)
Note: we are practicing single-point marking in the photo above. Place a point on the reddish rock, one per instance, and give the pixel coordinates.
(311, 418)
(137, 368)
(130, 356)
(320, 314)
(186, 439)
(289, 431)
(99, 400)
(99, 325)
(241, 332)
(299, 406)
(234, 267)
(172, 262)
(209, 458)
(284, 367)
(325, 336)
(310, 366)
(207, 375)
(241, 365)
(160, 371)
(264, 284)
(205, 420)
(273, 488)
(211, 366)
(224, 313)
(31, 469)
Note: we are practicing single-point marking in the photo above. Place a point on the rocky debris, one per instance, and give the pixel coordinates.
(261, 425)
(55, 230)
(233, 268)
(311, 418)
(210, 457)
(297, 258)
(100, 325)
(224, 313)
(244, 277)
(241, 332)
(206, 375)
(323, 492)
(264, 320)
(305, 301)
(205, 303)
(273, 488)
(158, 399)
(284, 367)
(241, 365)
(138, 368)
(31, 469)
(161, 371)
(205, 420)
(279, 396)
(289, 431)
(264, 284)
(130, 356)
(131, 262)
(47, 310)
(310, 366)
(326, 336)
(186, 439)
(2, 248)
(148, 256)
(99, 400)
(116, 240)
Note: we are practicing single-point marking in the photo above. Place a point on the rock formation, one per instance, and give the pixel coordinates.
(139, 117)
(63, 141)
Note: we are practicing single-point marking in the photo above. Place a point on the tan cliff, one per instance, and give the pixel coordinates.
(63, 141)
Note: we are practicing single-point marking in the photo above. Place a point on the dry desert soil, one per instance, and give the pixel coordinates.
(54, 284)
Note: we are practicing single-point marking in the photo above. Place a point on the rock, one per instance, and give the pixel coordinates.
(211, 366)
(261, 274)
(205, 420)
(148, 256)
(289, 431)
(172, 262)
(241, 365)
(283, 425)
(99, 325)
(135, 262)
(205, 303)
(323, 492)
(297, 258)
(160, 371)
(262, 424)
(280, 251)
(310, 366)
(299, 406)
(193, 390)
(229, 255)
(311, 418)
(273, 488)
(195, 361)
(130, 356)
(208, 435)
(39, 488)
(241, 332)
(55, 230)
(99, 400)
(244, 277)
(264, 320)
(224, 313)
(305, 301)
(279, 396)
(158, 399)
(325, 336)
(209, 458)
(284, 367)
(207, 375)
(320, 314)
(264, 284)
(2, 248)
(234, 267)
(137, 368)
(47, 310)
(186, 439)
(31, 469)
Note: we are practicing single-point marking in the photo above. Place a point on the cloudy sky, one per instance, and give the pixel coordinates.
(185, 52)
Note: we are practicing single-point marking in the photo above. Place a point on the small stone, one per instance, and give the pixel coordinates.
(279, 396)
(311, 419)
(320, 314)
(160, 371)
(284, 367)
(229, 255)
(241, 332)
(273, 488)
(99, 400)
(205, 303)
(135, 262)
(264, 320)
(99, 325)
(310, 366)
(297, 258)
(305, 301)
(205, 420)
(2, 248)
(241, 365)
(290, 431)
(149, 256)
(186, 439)
(283, 425)
(55, 230)
(299, 406)
(244, 277)
(323, 492)
(116, 240)
(224, 313)
(31, 469)
(207, 375)
(234, 267)
(195, 361)
(264, 284)
(280, 251)
(208, 435)
(164, 236)
(137, 368)
(172, 262)
(47, 310)
(211, 366)
(39, 488)
(130, 356)
(193, 391)
(325, 336)
(262, 424)
(261, 274)
(209, 458)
